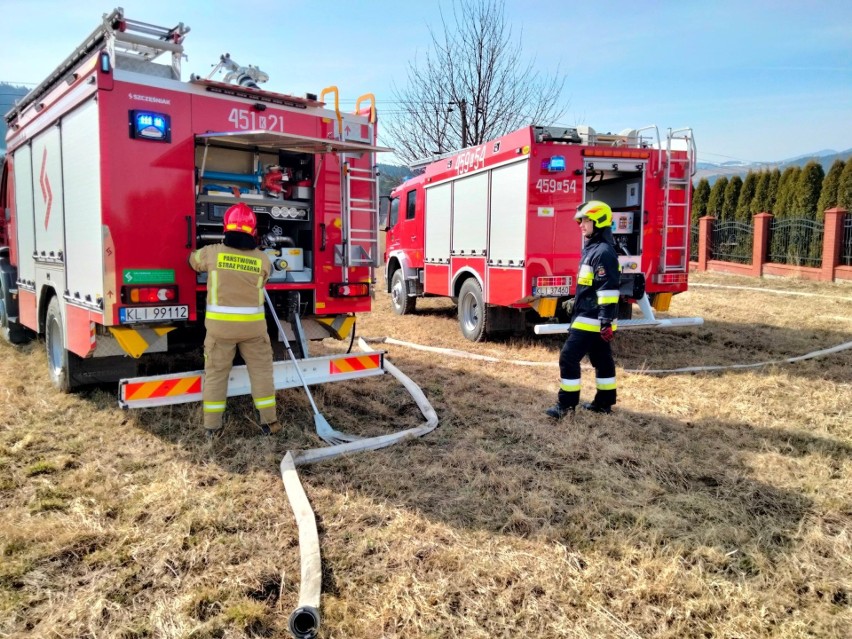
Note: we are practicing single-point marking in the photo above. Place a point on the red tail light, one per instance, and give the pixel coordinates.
(357, 289)
(553, 280)
(671, 278)
(148, 294)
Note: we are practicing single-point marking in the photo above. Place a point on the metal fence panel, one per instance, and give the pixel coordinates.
(732, 242)
(846, 248)
(797, 242)
(693, 244)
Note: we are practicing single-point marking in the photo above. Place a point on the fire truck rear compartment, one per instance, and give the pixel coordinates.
(277, 185)
(619, 182)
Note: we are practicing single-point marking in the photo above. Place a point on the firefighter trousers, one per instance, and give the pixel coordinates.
(219, 359)
(579, 344)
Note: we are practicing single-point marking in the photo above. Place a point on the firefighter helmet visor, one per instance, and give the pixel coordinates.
(597, 211)
(241, 218)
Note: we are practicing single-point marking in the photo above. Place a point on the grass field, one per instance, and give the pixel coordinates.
(710, 505)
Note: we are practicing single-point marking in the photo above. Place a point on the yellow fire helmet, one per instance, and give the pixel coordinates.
(597, 211)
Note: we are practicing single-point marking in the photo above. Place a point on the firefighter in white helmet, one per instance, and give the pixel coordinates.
(592, 314)
(237, 272)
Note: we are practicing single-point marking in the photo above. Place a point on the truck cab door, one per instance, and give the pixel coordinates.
(407, 233)
(392, 235)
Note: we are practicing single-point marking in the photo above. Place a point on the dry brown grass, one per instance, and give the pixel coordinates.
(710, 505)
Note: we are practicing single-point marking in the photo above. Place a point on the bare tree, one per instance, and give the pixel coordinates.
(471, 87)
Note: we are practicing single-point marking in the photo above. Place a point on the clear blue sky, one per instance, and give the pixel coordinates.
(759, 80)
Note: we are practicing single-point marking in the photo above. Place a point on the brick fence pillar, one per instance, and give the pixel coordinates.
(762, 222)
(831, 240)
(705, 237)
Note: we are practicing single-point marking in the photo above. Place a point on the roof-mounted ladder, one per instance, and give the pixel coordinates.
(131, 45)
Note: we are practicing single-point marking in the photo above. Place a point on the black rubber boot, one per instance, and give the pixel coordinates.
(557, 412)
(591, 406)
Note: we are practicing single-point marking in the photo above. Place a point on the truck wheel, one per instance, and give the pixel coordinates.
(401, 302)
(473, 314)
(62, 365)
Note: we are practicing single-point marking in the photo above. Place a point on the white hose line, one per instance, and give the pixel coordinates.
(774, 291)
(634, 371)
(702, 369)
(455, 353)
(305, 619)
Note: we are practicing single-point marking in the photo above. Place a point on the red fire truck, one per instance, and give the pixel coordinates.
(492, 226)
(116, 170)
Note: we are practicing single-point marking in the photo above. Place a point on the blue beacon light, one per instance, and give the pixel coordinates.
(556, 164)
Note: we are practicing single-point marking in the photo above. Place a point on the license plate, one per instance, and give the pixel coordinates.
(132, 315)
(552, 291)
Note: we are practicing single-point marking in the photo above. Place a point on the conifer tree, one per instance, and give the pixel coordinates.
(784, 203)
(700, 196)
(743, 210)
(781, 244)
(844, 189)
(732, 195)
(772, 189)
(759, 203)
(805, 243)
(717, 198)
(808, 190)
(830, 189)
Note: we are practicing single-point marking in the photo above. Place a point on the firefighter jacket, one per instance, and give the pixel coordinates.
(598, 279)
(235, 282)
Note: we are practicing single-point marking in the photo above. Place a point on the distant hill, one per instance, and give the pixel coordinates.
(713, 171)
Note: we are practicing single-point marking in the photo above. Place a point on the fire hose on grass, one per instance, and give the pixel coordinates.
(304, 621)
(452, 352)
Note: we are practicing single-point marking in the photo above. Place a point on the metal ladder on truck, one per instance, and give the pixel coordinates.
(130, 44)
(677, 196)
(360, 205)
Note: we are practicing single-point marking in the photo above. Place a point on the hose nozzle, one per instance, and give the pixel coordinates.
(304, 622)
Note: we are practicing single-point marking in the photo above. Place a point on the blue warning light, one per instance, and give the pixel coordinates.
(147, 125)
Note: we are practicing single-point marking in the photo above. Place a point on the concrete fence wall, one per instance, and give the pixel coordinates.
(830, 270)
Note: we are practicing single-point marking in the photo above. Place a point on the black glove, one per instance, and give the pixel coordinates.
(606, 332)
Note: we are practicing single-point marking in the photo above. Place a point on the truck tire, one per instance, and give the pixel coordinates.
(401, 301)
(473, 314)
(64, 367)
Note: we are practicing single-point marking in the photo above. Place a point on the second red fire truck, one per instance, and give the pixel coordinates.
(492, 226)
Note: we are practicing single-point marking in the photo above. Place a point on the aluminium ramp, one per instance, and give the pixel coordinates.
(181, 388)
(648, 320)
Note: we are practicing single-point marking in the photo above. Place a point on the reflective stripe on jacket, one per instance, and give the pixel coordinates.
(598, 279)
(235, 281)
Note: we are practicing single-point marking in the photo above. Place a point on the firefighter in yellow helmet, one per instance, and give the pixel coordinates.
(592, 315)
(237, 272)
